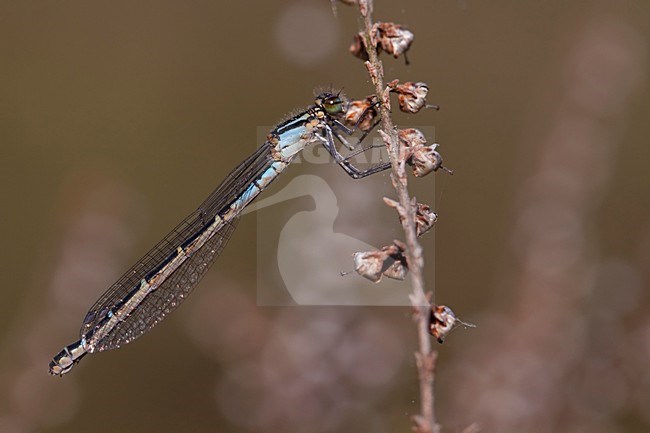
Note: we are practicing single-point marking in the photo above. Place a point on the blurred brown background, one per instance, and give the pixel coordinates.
(117, 119)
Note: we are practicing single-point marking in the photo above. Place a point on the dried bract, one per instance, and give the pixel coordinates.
(395, 205)
(358, 108)
(389, 261)
(411, 96)
(358, 49)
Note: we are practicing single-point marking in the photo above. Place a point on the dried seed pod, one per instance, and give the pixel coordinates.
(411, 138)
(424, 159)
(396, 271)
(389, 261)
(370, 264)
(442, 320)
(362, 107)
(411, 96)
(399, 267)
(425, 218)
(392, 38)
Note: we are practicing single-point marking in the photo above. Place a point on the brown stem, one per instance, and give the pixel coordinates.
(425, 356)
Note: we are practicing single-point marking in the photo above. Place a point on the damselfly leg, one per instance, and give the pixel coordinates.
(331, 130)
(350, 131)
(354, 172)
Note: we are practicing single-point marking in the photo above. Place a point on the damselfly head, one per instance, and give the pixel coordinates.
(332, 104)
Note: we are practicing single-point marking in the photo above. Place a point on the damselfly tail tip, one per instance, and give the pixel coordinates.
(67, 358)
(56, 370)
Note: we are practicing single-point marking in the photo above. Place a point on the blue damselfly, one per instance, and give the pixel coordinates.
(159, 282)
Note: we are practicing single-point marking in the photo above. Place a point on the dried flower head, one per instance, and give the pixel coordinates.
(389, 261)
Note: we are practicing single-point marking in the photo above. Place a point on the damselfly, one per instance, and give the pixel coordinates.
(159, 282)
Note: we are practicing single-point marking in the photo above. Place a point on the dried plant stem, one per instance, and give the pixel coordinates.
(425, 356)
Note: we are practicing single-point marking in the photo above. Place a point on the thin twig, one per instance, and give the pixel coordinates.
(425, 356)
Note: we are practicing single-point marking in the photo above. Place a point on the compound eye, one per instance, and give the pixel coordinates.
(333, 105)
